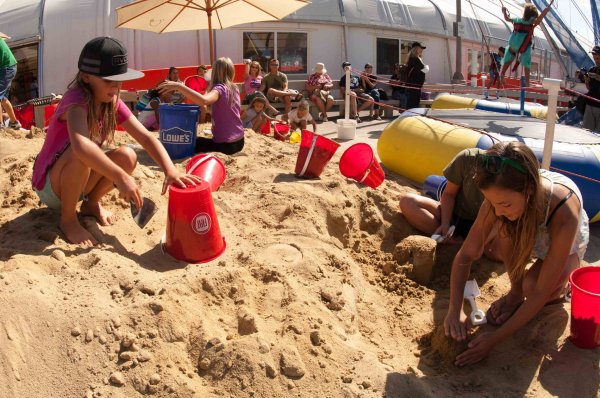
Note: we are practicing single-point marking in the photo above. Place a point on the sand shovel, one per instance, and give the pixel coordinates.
(144, 214)
(440, 238)
(471, 291)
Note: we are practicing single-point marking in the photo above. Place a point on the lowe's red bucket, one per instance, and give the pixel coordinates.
(359, 163)
(209, 168)
(434, 186)
(315, 151)
(178, 129)
(585, 307)
(193, 234)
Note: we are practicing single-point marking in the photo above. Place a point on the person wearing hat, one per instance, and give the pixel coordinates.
(416, 75)
(8, 71)
(319, 84)
(73, 166)
(591, 116)
(199, 84)
(356, 93)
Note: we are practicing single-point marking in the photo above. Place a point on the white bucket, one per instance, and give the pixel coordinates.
(346, 129)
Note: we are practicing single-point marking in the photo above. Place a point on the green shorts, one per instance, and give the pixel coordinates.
(49, 198)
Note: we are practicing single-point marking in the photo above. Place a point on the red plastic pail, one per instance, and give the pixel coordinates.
(315, 151)
(359, 163)
(585, 307)
(209, 168)
(266, 128)
(280, 131)
(193, 233)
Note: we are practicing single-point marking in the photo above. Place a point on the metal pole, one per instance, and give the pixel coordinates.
(210, 38)
(347, 96)
(522, 95)
(458, 76)
(553, 86)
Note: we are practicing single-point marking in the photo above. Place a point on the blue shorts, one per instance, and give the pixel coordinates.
(7, 75)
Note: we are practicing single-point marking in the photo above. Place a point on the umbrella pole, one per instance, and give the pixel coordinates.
(210, 38)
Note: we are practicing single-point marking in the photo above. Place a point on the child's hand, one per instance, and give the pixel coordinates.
(478, 349)
(128, 190)
(455, 325)
(179, 179)
(167, 86)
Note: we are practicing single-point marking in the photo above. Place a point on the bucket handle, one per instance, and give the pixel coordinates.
(367, 172)
(365, 176)
(310, 151)
(198, 163)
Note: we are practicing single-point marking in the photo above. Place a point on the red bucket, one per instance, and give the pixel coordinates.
(585, 307)
(359, 163)
(315, 151)
(209, 168)
(266, 128)
(193, 233)
(280, 131)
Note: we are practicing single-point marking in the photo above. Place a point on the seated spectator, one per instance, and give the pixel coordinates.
(199, 84)
(356, 93)
(368, 82)
(176, 96)
(397, 80)
(148, 108)
(252, 84)
(300, 117)
(275, 87)
(319, 84)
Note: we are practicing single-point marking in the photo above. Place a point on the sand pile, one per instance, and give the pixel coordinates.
(323, 291)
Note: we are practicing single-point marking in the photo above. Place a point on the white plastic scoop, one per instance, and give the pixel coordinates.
(471, 291)
(440, 238)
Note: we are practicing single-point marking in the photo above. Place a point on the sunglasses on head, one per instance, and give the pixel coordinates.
(495, 163)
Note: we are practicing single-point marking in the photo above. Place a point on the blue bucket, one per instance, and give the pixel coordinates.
(178, 129)
(434, 186)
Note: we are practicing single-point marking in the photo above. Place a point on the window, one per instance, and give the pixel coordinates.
(289, 47)
(25, 84)
(390, 52)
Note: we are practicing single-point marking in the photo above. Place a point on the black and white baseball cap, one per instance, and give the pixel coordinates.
(106, 57)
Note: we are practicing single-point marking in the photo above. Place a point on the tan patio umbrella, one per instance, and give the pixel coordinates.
(163, 16)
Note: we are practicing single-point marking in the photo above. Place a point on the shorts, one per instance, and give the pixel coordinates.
(462, 225)
(48, 197)
(524, 58)
(6, 77)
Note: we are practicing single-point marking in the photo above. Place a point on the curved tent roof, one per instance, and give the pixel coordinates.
(423, 16)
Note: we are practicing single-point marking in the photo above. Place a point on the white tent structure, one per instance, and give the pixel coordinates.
(47, 36)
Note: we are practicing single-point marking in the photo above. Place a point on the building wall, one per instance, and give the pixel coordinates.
(69, 25)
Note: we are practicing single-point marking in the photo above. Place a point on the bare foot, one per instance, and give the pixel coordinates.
(502, 309)
(77, 234)
(95, 209)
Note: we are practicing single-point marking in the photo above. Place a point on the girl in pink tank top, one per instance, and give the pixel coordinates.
(72, 166)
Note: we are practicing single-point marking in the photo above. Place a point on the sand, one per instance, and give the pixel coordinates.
(323, 291)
